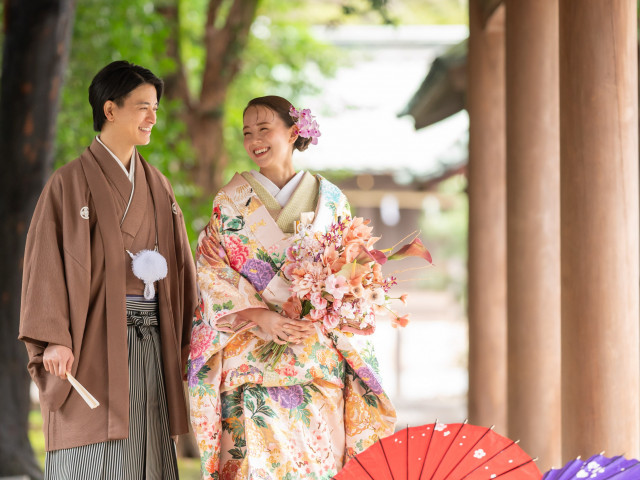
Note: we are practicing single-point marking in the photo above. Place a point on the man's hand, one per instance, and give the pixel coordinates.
(57, 360)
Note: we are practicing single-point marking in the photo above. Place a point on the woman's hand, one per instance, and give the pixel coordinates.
(57, 360)
(282, 329)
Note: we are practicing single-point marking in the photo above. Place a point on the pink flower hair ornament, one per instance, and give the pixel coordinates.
(306, 124)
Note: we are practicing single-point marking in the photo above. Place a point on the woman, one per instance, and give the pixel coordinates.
(310, 412)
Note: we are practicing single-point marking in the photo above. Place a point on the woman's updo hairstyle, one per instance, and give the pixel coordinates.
(281, 107)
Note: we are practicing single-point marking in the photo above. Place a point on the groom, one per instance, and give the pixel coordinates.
(85, 311)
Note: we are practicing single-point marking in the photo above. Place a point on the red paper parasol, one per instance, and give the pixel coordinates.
(442, 452)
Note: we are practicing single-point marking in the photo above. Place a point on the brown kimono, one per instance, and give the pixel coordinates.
(76, 277)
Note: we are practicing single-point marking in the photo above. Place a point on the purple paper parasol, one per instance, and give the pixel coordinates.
(597, 467)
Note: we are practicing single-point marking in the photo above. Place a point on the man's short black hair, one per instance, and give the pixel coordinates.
(115, 82)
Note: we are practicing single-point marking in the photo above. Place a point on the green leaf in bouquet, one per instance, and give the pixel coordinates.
(306, 308)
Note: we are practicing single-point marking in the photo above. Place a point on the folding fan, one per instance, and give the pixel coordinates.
(442, 452)
(597, 467)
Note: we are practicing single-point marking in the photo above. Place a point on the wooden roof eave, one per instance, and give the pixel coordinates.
(442, 92)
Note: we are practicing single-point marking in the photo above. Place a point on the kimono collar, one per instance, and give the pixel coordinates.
(132, 164)
(303, 199)
(111, 170)
(135, 195)
(281, 195)
(330, 199)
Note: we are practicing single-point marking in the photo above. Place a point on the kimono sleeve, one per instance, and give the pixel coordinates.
(343, 209)
(189, 294)
(224, 293)
(44, 311)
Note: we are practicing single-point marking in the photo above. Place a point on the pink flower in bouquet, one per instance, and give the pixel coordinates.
(347, 310)
(357, 290)
(331, 258)
(380, 309)
(351, 251)
(317, 314)
(354, 273)
(331, 321)
(376, 296)
(358, 232)
(377, 273)
(311, 281)
(336, 277)
(318, 301)
(398, 321)
(336, 286)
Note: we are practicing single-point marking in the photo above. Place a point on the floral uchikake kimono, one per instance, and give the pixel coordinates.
(323, 402)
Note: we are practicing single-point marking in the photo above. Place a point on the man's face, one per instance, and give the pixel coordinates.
(132, 122)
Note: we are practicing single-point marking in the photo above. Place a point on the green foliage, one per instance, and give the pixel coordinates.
(133, 30)
(281, 58)
(306, 308)
(399, 12)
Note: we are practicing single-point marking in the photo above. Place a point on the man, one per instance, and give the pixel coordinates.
(123, 335)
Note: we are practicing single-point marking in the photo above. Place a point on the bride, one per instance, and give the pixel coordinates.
(321, 403)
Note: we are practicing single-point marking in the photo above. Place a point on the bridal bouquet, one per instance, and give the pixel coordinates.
(336, 280)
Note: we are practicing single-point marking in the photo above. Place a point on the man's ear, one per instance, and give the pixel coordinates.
(108, 108)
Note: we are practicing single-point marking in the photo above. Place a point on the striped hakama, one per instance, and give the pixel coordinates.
(149, 452)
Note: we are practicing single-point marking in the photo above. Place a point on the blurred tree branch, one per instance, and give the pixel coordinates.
(224, 41)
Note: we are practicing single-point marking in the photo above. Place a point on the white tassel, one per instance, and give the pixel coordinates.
(149, 266)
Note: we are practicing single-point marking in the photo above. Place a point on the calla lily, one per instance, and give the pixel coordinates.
(372, 255)
(354, 273)
(413, 249)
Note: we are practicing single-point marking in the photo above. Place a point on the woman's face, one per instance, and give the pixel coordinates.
(267, 139)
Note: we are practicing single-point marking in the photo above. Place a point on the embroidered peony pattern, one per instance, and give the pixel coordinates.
(258, 272)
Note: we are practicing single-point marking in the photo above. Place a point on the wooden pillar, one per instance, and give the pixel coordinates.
(533, 228)
(487, 211)
(599, 229)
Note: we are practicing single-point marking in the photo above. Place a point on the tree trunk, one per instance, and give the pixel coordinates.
(207, 140)
(36, 47)
(204, 115)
